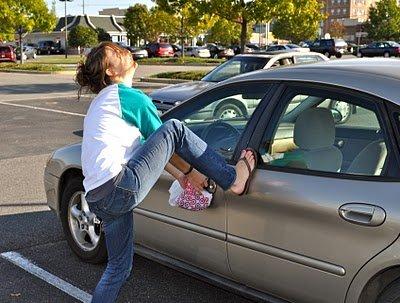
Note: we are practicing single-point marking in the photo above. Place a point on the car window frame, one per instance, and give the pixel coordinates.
(274, 110)
(224, 90)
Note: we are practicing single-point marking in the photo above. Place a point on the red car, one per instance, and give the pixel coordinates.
(7, 54)
(159, 50)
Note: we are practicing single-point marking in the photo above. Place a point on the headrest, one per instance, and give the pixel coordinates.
(314, 128)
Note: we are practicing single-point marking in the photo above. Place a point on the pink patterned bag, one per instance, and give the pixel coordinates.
(191, 199)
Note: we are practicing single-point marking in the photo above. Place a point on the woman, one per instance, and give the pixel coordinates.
(125, 149)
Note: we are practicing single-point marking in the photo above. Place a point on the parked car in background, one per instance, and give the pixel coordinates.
(168, 97)
(321, 220)
(49, 47)
(254, 47)
(329, 47)
(381, 48)
(192, 51)
(7, 54)
(137, 53)
(287, 47)
(159, 50)
(237, 51)
(219, 52)
(30, 52)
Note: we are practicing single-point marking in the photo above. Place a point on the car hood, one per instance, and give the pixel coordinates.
(180, 92)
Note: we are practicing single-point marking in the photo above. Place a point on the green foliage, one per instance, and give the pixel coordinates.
(298, 20)
(102, 35)
(190, 75)
(241, 12)
(28, 14)
(136, 21)
(226, 32)
(83, 37)
(384, 21)
(30, 67)
(160, 22)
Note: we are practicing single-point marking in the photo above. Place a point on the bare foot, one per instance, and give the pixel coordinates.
(242, 172)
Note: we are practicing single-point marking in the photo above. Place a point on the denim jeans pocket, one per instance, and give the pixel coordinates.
(123, 197)
(119, 202)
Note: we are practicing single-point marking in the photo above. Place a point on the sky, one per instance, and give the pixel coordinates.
(92, 7)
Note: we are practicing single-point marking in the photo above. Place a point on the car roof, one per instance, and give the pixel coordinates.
(378, 77)
(280, 54)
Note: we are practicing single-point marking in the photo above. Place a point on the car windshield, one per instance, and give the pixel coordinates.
(236, 66)
(393, 44)
(293, 46)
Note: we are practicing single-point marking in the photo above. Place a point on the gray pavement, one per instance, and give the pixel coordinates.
(28, 135)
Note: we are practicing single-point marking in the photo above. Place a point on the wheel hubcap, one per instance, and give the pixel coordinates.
(343, 108)
(85, 227)
(229, 114)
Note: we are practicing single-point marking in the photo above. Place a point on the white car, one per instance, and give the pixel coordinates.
(288, 47)
(194, 51)
(30, 52)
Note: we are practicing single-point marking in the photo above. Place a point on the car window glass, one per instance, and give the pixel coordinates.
(235, 67)
(307, 59)
(334, 135)
(221, 121)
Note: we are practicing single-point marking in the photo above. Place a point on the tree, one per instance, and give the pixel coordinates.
(189, 20)
(336, 29)
(81, 36)
(136, 21)
(226, 32)
(102, 35)
(242, 12)
(27, 15)
(160, 22)
(384, 21)
(298, 20)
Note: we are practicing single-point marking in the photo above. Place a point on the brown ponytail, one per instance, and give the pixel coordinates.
(91, 72)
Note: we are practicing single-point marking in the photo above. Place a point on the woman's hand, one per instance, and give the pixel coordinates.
(182, 179)
(198, 180)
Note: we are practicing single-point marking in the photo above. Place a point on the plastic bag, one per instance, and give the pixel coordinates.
(189, 198)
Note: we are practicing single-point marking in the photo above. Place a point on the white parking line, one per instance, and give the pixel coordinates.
(41, 97)
(28, 266)
(42, 108)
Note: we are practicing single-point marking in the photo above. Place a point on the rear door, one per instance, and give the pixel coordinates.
(309, 222)
(198, 238)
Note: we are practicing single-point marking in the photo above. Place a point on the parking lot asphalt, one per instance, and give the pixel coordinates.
(35, 121)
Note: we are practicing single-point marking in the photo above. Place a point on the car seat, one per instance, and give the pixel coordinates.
(370, 160)
(314, 134)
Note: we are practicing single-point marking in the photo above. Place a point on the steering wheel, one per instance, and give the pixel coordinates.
(221, 136)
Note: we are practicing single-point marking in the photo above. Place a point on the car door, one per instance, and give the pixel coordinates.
(310, 222)
(197, 237)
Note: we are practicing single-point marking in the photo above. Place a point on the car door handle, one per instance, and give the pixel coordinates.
(362, 214)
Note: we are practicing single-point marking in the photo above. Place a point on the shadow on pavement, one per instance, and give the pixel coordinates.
(38, 88)
(29, 229)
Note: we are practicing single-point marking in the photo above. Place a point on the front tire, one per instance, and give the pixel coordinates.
(386, 54)
(327, 54)
(391, 294)
(82, 229)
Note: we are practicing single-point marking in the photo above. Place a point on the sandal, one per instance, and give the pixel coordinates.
(251, 171)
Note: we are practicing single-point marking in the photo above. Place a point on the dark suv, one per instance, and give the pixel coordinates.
(327, 47)
(48, 47)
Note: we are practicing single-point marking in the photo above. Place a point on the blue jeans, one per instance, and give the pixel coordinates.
(137, 178)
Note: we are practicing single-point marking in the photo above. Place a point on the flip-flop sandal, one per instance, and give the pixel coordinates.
(251, 172)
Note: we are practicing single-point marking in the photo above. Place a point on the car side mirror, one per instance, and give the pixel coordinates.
(337, 116)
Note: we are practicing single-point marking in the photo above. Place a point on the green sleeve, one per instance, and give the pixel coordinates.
(138, 109)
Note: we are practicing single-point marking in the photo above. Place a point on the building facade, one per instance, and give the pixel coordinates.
(112, 24)
(351, 13)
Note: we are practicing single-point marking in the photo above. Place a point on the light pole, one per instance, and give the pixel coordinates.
(66, 30)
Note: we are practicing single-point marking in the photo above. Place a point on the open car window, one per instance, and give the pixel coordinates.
(223, 115)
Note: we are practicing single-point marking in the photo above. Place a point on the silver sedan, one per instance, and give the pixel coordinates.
(321, 221)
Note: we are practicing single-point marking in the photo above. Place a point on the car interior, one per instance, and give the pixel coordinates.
(308, 137)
